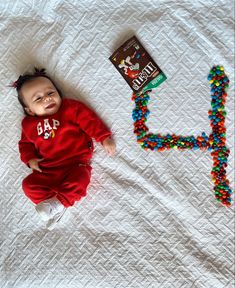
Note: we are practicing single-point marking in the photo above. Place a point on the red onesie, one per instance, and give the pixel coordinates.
(64, 141)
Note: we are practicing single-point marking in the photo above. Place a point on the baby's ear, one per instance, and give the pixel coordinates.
(28, 111)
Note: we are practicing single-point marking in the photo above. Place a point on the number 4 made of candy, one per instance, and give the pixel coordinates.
(215, 142)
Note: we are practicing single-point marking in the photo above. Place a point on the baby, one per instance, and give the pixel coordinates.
(56, 143)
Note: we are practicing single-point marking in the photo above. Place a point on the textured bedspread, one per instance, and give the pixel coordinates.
(150, 219)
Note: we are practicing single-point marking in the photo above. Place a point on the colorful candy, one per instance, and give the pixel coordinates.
(216, 141)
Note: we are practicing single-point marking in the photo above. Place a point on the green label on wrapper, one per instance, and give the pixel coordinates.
(155, 82)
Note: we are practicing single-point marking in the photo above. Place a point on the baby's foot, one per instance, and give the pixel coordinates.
(49, 208)
(53, 221)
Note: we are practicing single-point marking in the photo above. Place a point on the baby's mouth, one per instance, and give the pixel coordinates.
(50, 106)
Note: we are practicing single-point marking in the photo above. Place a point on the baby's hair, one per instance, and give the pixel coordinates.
(23, 79)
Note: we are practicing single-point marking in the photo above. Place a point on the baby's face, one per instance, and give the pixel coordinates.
(41, 97)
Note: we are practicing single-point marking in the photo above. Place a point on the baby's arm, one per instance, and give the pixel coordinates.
(109, 146)
(95, 128)
(28, 153)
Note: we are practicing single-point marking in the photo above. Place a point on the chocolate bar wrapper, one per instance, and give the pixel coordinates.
(136, 66)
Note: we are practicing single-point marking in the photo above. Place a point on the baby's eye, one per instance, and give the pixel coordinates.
(38, 99)
(50, 93)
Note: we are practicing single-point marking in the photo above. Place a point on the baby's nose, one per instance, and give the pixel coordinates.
(47, 98)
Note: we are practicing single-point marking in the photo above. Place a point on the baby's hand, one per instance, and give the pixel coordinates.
(34, 164)
(109, 146)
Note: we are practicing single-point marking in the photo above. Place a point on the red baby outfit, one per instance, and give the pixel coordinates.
(64, 142)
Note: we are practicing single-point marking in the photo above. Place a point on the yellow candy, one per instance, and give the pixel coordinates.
(211, 81)
(217, 84)
(222, 68)
(175, 147)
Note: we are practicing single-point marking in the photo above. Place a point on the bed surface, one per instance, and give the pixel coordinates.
(150, 219)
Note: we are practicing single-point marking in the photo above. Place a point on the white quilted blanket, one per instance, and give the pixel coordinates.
(150, 219)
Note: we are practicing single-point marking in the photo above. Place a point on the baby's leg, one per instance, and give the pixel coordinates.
(38, 186)
(75, 184)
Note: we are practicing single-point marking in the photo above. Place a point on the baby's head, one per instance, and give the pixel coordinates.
(38, 94)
